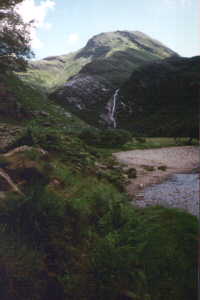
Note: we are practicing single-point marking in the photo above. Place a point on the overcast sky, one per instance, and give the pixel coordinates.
(63, 26)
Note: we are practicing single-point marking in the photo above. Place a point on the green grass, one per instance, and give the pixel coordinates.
(91, 233)
(51, 74)
(39, 109)
(151, 143)
(156, 142)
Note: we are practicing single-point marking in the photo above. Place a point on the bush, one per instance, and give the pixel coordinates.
(31, 217)
(166, 239)
(128, 259)
(141, 140)
(162, 168)
(3, 162)
(47, 138)
(148, 168)
(91, 136)
(115, 137)
(132, 173)
(103, 248)
(105, 138)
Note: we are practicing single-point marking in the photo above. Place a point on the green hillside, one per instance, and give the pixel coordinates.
(162, 98)
(53, 72)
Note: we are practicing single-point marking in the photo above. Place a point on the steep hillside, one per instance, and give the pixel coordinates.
(52, 72)
(161, 99)
(22, 106)
(113, 57)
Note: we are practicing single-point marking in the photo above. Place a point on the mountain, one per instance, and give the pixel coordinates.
(132, 47)
(109, 60)
(161, 99)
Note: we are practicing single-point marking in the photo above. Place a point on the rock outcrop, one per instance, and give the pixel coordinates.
(8, 134)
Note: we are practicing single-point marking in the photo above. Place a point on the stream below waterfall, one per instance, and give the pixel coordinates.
(180, 191)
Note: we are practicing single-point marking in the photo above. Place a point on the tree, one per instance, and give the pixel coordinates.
(8, 3)
(14, 38)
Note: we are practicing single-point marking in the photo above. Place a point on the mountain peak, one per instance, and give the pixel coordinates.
(102, 43)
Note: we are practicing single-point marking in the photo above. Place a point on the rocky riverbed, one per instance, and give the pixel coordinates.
(180, 191)
(175, 185)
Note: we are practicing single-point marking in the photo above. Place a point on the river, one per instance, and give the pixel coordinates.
(180, 191)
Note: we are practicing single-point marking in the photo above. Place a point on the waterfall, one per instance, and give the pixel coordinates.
(114, 108)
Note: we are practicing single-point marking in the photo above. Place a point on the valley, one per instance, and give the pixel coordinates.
(82, 135)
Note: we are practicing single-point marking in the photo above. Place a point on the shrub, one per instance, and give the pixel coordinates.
(115, 137)
(166, 239)
(91, 136)
(132, 173)
(148, 168)
(103, 248)
(3, 162)
(47, 138)
(31, 217)
(162, 168)
(105, 138)
(128, 257)
(141, 140)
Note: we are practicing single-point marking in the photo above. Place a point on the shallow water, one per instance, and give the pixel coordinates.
(180, 190)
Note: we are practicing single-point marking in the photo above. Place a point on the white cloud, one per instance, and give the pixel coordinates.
(73, 38)
(36, 43)
(47, 26)
(29, 11)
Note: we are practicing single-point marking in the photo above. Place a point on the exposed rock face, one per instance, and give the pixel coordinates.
(8, 134)
(113, 56)
(162, 98)
(82, 94)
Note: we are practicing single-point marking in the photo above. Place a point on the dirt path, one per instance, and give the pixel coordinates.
(176, 159)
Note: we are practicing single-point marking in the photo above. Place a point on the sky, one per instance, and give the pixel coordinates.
(63, 26)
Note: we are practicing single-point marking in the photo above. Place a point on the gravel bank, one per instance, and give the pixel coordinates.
(176, 159)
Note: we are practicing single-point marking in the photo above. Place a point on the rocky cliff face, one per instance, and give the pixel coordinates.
(162, 98)
(85, 96)
(113, 57)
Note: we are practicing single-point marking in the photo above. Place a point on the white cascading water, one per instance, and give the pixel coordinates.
(114, 107)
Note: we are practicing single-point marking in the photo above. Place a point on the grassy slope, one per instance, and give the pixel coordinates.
(74, 227)
(50, 74)
(40, 108)
(74, 232)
